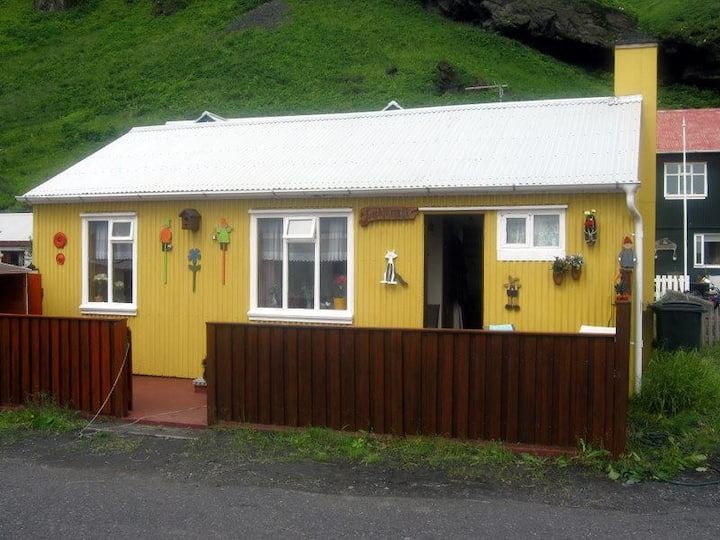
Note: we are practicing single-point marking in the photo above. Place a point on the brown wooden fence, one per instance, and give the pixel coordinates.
(75, 360)
(537, 389)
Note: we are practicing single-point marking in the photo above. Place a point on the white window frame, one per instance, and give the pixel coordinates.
(87, 305)
(695, 170)
(699, 241)
(527, 251)
(320, 315)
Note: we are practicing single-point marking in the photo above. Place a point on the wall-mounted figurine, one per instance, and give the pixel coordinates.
(627, 260)
(222, 236)
(194, 256)
(166, 245)
(389, 276)
(513, 293)
(590, 227)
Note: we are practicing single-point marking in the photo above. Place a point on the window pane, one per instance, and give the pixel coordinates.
(301, 275)
(333, 255)
(270, 262)
(122, 273)
(333, 239)
(300, 228)
(546, 230)
(121, 229)
(515, 230)
(98, 261)
(711, 250)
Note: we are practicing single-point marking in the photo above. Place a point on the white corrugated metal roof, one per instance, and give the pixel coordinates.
(567, 144)
(15, 227)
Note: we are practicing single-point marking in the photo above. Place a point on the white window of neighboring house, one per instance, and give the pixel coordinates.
(301, 265)
(109, 255)
(530, 235)
(696, 178)
(707, 250)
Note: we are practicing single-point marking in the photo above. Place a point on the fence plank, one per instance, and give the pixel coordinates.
(345, 347)
(362, 380)
(429, 374)
(461, 371)
(379, 366)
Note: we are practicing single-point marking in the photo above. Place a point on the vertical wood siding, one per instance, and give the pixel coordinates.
(169, 328)
(75, 361)
(517, 387)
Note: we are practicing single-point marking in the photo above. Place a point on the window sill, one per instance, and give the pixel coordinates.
(325, 316)
(100, 308)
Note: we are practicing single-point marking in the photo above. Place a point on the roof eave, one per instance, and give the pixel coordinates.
(615, 187)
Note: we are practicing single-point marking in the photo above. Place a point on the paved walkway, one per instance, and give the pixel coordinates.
(167, 401)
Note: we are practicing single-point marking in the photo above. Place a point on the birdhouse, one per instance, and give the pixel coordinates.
(190, 219)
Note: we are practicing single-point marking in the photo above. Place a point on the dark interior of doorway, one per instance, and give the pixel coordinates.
(453, 271)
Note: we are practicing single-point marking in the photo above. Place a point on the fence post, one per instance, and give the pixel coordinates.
(211, 373)
(621, 387)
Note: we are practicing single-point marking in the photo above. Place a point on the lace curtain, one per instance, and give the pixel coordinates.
(333, 241)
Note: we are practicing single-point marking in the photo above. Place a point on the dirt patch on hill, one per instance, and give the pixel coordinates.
(267, 16)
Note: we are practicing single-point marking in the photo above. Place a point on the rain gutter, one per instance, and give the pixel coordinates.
(630, 192)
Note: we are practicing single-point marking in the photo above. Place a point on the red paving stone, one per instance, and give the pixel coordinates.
(168, 402)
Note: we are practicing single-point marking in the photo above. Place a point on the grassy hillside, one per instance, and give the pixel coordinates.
(74, 80)
(694, 20)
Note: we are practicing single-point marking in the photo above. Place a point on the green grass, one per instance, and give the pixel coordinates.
(40, 416)
(72, 81)
(694, 20)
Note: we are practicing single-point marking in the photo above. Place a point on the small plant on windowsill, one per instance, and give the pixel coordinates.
(559, 268)
(308, 294)
(339, 301)
(100, 281)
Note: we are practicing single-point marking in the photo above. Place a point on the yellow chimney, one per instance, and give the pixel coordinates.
(636, 73)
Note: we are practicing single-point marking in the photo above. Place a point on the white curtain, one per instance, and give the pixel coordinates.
(271, 240)
(333, 241)
(546, 230)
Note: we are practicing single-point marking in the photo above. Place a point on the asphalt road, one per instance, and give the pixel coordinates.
(52, 488)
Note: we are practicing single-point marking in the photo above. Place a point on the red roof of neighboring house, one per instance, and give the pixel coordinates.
(702, 130)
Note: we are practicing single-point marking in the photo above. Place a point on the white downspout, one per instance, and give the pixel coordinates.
(638, 285)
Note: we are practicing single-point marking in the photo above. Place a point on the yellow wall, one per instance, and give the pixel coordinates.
(169, 329)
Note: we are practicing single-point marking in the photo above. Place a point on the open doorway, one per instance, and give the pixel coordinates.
(453, 270)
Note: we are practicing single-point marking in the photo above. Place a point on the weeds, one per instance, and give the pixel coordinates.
(41, 415)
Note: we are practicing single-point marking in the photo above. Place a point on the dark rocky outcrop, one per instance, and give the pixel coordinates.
(578, 31)
(583, 32)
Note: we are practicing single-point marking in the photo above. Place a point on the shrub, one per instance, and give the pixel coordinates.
(677, 381)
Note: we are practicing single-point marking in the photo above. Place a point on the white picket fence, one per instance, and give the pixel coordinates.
(664, 284)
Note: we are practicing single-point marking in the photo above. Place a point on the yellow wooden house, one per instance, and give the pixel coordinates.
(442, 216)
